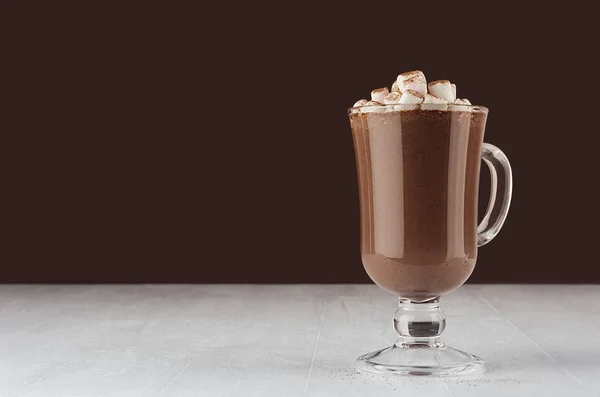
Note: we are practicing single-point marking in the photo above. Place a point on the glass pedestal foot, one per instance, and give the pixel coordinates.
(420, 360)
(419, 351)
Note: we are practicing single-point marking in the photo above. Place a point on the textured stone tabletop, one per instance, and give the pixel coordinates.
(285, 340)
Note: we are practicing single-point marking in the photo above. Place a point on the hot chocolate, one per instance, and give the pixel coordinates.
(418, 153)
(419, 176)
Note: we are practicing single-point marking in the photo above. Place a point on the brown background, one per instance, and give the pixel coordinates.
(174, 144)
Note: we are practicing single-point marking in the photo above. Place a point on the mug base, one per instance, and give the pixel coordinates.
(419, 360)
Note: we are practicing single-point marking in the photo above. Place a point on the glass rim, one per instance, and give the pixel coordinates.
(410, 106)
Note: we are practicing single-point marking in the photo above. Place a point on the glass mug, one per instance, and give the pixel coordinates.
(418, 174)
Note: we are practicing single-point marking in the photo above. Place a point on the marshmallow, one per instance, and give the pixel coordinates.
(409, 100)
(360, 103)
(391, 98)
(442, 89)
(460, 105)
(453, 90)
(395, 86)
(410, 96)
(462, 102)
(431, 102)
(370, 107)
(379, 94)
(414, 81)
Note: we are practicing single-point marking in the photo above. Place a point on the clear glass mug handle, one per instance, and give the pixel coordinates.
(501, 183)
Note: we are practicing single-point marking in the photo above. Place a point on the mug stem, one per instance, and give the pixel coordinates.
(419, 324)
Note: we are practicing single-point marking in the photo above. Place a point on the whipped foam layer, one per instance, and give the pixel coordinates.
(410, 91)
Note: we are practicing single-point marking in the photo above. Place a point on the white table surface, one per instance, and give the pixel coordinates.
(285, 340)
